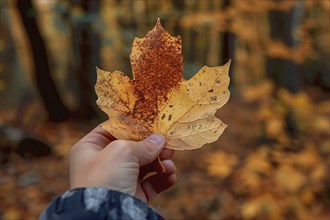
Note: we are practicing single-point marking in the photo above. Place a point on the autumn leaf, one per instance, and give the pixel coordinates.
(159, 100)
(264, 205)
(220, 163)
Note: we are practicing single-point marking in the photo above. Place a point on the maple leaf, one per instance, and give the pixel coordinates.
(159, 100)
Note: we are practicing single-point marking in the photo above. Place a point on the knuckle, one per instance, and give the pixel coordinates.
(122, 146)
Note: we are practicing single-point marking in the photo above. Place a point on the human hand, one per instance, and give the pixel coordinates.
(99, 160)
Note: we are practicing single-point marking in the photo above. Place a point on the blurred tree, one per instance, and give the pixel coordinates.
(86, 47)
(228, 41)
(56, 110)
(283, 71)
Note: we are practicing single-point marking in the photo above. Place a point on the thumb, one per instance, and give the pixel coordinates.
(149, 149)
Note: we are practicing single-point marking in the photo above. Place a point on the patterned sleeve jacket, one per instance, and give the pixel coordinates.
(96, 204)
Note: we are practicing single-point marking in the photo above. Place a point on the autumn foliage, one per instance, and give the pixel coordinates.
(159, 100)
(272, 161)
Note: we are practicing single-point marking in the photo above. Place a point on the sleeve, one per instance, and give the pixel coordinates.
(97, 204)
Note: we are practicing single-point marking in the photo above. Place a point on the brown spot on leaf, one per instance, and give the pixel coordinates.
(213, 98)
(157, 68)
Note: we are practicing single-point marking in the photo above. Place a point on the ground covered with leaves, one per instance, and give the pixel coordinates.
(270, 163)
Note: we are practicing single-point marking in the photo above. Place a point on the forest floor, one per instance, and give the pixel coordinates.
(272, 162)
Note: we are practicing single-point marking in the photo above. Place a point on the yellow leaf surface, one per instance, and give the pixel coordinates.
(264, 205)
(159, 100)
(289, 179)
(221, 163)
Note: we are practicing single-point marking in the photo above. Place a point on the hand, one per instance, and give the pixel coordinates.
(99, 160)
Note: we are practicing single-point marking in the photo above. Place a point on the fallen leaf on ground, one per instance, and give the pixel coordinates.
(159, 100)
(220, 163)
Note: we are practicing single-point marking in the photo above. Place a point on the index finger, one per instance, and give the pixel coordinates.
(98, 138)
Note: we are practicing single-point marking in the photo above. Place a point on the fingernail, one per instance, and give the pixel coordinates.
(155, 138)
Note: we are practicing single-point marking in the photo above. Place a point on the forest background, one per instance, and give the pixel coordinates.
(272, 162)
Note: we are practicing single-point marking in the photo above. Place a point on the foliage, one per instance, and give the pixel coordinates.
(158, 100)
(271, 163)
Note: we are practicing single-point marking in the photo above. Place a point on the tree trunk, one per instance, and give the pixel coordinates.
(227, 46)
(87, 52)
(56, 110)
(283, 71)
